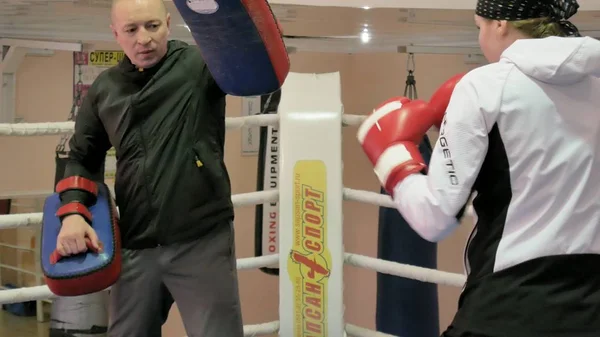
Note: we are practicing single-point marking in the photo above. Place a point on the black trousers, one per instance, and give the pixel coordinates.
(200, 276)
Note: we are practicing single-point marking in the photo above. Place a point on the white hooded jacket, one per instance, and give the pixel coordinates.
(524, 134)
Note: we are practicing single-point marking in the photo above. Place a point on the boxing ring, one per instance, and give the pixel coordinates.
(310, 119)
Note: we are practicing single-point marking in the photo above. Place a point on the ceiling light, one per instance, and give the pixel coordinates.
(365, 37)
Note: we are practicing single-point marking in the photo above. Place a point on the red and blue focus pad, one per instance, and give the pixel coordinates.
(240, 42)
(87, 272)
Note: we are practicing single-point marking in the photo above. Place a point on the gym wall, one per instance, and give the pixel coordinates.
(44, 94)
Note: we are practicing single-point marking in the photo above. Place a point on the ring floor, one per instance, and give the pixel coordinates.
(16, 326)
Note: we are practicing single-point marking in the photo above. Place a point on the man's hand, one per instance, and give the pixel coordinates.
(72, 237)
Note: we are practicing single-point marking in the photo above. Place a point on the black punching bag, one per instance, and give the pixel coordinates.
(406, 307)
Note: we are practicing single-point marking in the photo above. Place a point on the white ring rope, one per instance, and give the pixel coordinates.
(405, 270)
(377, 199)
(356, 331)
(60, 128)
(349, 120)
(27, 294)
(238, 200)
(261, 329)
(43, 292)
(367, 197)
(20, 220)
(254, 198)
(257, 262)
(36, 129)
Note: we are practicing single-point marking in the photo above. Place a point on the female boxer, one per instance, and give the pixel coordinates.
(523, 134)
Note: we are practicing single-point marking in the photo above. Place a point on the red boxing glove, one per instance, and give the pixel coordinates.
(390, 138)
(441, 98)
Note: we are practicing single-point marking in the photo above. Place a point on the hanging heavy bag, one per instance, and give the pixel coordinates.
(90, 271)
(406, 307)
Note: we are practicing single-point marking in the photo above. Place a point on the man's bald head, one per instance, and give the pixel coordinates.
(141, 28)
(119, 5)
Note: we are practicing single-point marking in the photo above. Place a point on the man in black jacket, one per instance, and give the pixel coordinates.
(164, 114)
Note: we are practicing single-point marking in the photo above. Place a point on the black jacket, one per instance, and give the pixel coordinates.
(167, 125)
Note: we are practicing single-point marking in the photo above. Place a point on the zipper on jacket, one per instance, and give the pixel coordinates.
(147, 187)
(467, 263)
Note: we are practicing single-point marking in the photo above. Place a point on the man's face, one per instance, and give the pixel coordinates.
(141, 27)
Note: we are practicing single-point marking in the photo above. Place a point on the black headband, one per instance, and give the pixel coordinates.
(512, 10)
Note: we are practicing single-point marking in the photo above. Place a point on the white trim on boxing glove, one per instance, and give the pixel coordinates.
(377, 114)
(394, 158)
(391, 158)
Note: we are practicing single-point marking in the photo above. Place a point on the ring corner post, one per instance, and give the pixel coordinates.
(311, 260)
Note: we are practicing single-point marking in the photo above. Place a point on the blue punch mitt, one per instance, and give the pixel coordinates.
(240, 42)
(90, 271)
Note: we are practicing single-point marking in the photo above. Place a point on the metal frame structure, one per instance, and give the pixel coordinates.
(13, 51)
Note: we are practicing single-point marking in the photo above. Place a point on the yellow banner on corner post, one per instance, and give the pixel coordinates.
(309, 262)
